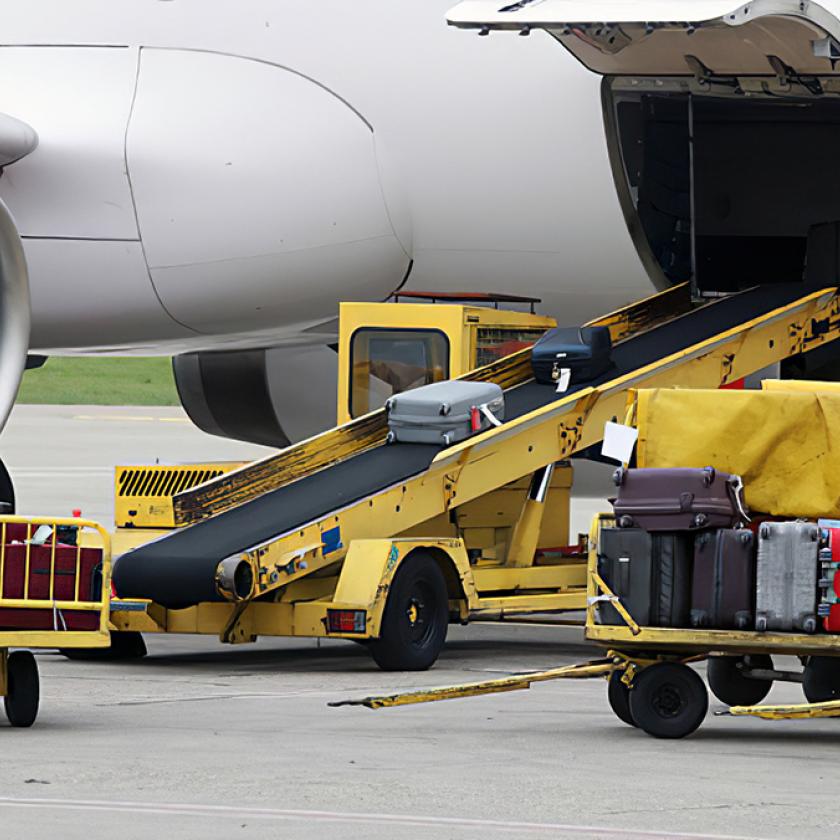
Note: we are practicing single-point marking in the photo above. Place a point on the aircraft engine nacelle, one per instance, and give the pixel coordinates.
(14, 312)
(17, 139)
(191, 194)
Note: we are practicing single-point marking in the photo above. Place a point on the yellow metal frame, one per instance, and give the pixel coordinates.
(58, 638)
(457, 322)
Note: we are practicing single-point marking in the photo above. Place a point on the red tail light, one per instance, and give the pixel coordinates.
(346, 621)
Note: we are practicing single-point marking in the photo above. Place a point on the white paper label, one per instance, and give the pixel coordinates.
(563, 380)
(619, 441)
(41, 535)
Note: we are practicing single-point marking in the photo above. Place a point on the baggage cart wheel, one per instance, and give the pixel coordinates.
(125, 645)
(821, 679)
(668, 700)
(729, 683)
(22, 688)
(618, 695)
(416, 617)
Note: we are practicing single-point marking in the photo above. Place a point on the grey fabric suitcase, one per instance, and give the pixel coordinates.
(444, 413)
(786, 591)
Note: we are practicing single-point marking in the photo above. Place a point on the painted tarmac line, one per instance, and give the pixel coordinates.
(130, 418)
(291, 814)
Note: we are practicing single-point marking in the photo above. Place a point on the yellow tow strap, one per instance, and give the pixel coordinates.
(798, 711)
(516, 682)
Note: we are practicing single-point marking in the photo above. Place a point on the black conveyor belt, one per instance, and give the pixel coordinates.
(178, 570)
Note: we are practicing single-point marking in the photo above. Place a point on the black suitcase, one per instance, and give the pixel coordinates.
(723, 580)
(585, 351)
(650, 573)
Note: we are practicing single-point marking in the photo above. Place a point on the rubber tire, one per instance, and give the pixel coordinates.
(7, 489)
(23, 690)
(678, 682)
(730, 686)
(394, 650)
(821, 679)
(125, 645)
(618, 695)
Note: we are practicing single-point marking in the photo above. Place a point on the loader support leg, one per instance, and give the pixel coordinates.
(526, 533)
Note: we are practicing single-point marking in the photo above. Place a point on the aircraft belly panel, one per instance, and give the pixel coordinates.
(94, 295)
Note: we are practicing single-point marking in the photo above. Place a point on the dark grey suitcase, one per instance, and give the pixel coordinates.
(786, 590)
(723, 579)
(444, 413)
(650, 573)
(585, 351)
(678, 499)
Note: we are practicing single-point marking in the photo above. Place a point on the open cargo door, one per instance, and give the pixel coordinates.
(674, 37)
(722, 123)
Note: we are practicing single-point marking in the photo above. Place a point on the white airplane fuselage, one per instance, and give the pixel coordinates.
(219, 175)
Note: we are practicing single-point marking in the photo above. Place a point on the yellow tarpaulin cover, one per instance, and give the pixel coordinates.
(800, 385)
(785, 444)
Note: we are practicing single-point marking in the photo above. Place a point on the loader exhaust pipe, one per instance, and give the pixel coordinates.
(235, 579)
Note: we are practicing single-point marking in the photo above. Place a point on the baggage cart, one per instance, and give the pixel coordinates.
(653, 687)
(650, 684)
(55, 586)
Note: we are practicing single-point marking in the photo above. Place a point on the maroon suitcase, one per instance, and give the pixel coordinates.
(723, 580)
(64, 589)
(678, 499)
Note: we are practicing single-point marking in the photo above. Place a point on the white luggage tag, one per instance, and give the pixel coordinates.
(563, 380)
(41, 535)
(619, 441)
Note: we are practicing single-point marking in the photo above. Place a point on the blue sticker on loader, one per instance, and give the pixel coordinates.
(331, 541)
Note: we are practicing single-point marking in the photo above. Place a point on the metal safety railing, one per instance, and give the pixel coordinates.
(55, 582)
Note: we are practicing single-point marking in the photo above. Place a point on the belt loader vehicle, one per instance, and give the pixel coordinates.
(346, 536)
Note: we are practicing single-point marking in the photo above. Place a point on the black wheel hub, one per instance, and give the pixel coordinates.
(668, 700)
(416, 615)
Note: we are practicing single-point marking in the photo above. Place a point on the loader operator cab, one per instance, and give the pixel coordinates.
(386, 348)
(722, 124)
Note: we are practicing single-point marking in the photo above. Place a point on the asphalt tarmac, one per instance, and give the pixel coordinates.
(202, 740)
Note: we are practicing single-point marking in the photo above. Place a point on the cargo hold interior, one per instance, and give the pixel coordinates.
(721, 187)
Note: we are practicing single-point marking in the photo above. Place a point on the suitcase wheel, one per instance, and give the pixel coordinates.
(809, 625)
(708, 476)
(625, 521)
(390, 438)
(746, 537)
(618, 476)
(764, 531)
(700, 520)
(761, 623)
(743, 621)
(699, 618)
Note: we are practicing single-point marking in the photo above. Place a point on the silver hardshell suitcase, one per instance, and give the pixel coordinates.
(786, 593)
(444, 413)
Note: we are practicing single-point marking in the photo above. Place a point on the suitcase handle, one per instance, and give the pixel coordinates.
(624, 574)
(735, 486)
